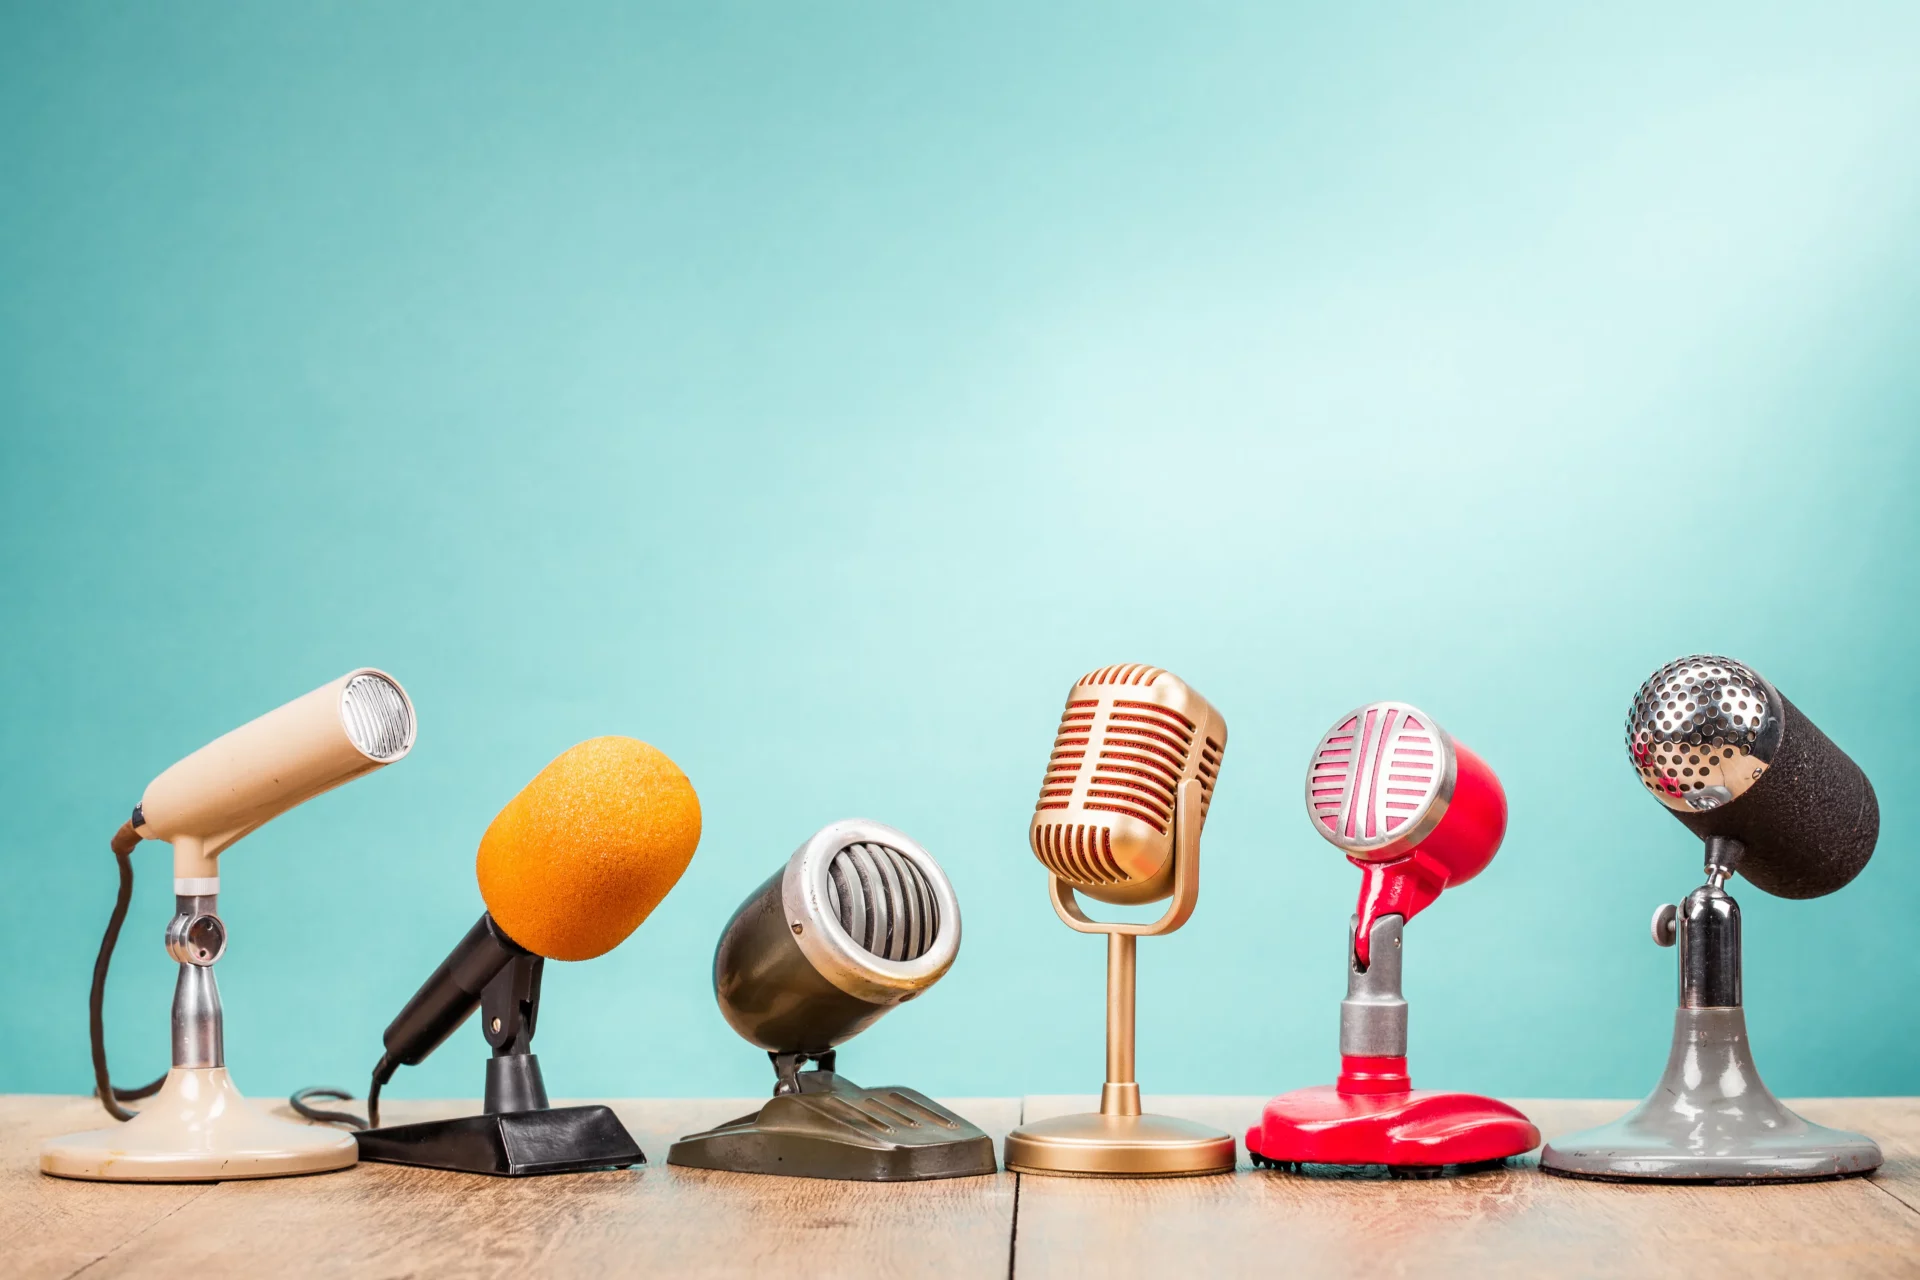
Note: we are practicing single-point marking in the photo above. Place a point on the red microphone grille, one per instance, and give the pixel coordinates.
(1374, 779)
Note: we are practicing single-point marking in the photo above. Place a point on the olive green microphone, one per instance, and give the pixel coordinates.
(859, 920)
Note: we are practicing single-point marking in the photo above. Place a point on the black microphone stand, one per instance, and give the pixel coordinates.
(518, 1133)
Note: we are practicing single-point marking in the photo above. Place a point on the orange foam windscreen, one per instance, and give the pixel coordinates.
(586, 851)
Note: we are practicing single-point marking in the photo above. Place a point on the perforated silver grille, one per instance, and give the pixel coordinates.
(377, 717)
(883, 900)
(1702, 731)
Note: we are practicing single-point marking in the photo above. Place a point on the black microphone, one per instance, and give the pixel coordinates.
(1774, 800)
(1727, 755)
(448, 997)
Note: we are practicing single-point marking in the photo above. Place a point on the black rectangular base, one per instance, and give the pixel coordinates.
(510, 1144)
(836, 1129)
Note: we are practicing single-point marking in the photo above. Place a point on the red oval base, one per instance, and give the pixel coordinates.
(1415, 1127)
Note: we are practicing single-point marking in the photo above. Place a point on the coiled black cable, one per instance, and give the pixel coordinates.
(124, 841)
(381, 1073)
(298, 1101)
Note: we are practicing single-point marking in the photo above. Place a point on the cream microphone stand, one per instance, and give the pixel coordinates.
(199, 1128)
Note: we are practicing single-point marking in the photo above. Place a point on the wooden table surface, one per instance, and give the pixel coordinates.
(380, 1220)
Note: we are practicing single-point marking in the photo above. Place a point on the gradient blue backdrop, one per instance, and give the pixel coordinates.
(815, 391)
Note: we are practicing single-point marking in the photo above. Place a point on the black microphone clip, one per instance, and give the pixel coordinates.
(518, 1133)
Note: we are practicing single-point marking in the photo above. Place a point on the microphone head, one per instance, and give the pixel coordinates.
(1387, 780)
(247, 777)
(860, 918)
(587, 850)
(1717, 744)
(1104, 822)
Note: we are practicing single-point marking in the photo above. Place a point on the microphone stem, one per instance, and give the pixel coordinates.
(1120, 1096)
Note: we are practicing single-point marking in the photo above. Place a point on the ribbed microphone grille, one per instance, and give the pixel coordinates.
(1133, 769)
(1078, 852)
(884, 901)
(376, 715)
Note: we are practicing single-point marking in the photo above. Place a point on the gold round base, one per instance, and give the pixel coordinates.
(1093, 1145)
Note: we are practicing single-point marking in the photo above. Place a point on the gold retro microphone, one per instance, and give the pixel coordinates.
(1118, 819)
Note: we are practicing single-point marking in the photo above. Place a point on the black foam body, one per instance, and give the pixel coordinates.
(1809, 825)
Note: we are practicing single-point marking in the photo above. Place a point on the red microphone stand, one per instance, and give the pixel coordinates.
(1416, 812)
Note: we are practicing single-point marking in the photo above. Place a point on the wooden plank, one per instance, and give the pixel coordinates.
(1894, 1123)
(50, 1227)
(385, 1221)
(1516, 1222)
(382, 1220)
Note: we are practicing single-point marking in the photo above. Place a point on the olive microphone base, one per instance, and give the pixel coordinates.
(198, 1129)
(1097, 1145)
(1711, 1120)
(833, 1128)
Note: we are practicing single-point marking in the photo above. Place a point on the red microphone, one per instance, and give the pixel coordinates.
(1413, 809)
(1417, 813)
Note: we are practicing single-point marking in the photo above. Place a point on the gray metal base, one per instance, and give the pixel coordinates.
(1711, 1120)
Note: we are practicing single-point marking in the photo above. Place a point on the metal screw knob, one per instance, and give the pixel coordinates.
(1664, 931)
(198, 939)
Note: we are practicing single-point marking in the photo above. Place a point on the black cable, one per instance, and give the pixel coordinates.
(124, 841)
(381, 1074)
(299, 1103)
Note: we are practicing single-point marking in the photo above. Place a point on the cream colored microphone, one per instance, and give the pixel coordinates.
(199, 1128)
(1118, 819)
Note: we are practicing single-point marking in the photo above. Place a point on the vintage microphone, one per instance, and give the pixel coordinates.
(1773, 799)
(1119, 817)
(199, 1128)
(568, 869)
(1418, 813)
(859, 920)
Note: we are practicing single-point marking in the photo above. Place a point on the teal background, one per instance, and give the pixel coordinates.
(815, 391)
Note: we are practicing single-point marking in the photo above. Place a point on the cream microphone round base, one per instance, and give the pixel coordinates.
(198, 1129)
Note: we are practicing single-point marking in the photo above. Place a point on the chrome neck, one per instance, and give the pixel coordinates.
(197, 937)
(1373, 1017)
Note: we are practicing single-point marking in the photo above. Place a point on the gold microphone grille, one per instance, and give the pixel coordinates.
(1122, 753)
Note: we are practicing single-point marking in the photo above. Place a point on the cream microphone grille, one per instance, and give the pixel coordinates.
(378, 719)
(883, 900)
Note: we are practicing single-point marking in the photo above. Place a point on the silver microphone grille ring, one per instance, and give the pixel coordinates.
(870, 910)
(1702, 731)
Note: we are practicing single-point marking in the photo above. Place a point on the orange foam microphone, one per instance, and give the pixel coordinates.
(568, 869)
(581, 857)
